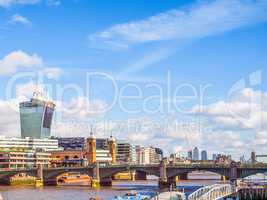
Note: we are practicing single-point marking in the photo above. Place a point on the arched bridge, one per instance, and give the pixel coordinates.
(166, 173)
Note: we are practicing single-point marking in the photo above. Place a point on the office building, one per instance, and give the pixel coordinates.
(159, 152)
(26, 152)
(148, 155)
(195, 154)
(253, 157)
(155, 155)
(126, 153)
(28, 144)
(204, 155)
(36, 117)
(24, 159)
(189, 155)
(214, 156)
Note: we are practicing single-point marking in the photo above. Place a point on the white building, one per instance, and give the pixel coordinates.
(28, 144)
(103, 156)
(147, 155)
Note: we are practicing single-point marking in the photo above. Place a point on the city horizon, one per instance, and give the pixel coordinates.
(176, 75)
(137, 99)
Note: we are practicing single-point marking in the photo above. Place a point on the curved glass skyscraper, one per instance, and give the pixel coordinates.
(36, 117)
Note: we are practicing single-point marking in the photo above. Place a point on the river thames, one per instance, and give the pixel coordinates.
(84, 193)
(119, 188)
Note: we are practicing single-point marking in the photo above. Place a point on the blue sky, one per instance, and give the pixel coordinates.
(213, 43)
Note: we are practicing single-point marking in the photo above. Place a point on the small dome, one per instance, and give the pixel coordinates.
(92, 136)
(112, 139)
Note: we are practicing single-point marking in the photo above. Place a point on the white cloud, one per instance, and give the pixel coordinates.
(7, 3)
(18, 59)
(52, 72)
(19, 19)
(81, 109)
(247, 110)
(228, 142)
(9, 126)
(234, 123)
(26, 90)
(198, 21)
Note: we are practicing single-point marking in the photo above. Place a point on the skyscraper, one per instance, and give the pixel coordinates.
(204, 155)
(189, 155)
(36, 117)
(195, 154)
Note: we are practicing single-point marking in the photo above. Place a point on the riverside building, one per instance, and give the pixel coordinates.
(26, 152)
(148, 155)
(24, 159)
(28, 144)
(126, 153)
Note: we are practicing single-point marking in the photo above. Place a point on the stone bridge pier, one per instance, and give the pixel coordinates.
(164, 180)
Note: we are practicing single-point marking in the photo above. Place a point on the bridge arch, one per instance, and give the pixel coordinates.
(245, 173)
(109, 172)
(54, 173)
(173, 172)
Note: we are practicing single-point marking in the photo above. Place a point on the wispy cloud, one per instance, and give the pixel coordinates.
(8, 3)
(53, 2)
(19, 19)
(148, 60)
(194, 22)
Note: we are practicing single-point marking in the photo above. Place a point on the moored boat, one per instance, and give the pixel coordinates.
(74, 179)
(132, 196)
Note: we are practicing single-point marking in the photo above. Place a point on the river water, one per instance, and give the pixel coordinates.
(84, 193)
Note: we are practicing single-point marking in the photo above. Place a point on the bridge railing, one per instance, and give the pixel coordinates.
(212, 192)
(218, 192)
(201, 191)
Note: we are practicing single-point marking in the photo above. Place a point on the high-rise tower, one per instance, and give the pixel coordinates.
(36, 117)
(195, 154)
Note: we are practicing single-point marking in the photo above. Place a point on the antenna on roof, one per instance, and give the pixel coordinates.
(91, 132)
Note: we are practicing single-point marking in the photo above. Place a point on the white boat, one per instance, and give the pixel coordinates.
(170, 196)
(132, 196)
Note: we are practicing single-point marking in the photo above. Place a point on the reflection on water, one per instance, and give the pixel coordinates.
(75, 193)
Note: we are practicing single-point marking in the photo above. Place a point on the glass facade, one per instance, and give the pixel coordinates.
(36, 118)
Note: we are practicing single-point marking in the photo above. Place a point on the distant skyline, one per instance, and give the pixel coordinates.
(188, 73)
